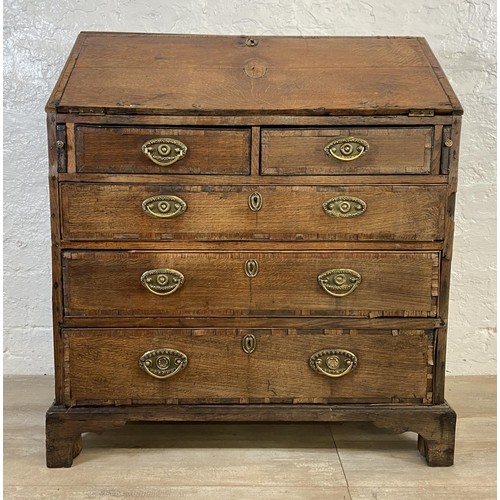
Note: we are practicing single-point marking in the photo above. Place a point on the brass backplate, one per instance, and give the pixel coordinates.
(163, 363)
(344, 206)
(162, 281)
(164, 206)
(339, 282)
(347, 148)
(333, 362)
(164, 151)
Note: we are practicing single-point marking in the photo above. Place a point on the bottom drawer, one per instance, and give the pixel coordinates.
(102, 367)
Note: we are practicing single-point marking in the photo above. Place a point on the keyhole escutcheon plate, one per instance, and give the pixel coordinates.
(255, 202)
(249, 343)
(251, 268)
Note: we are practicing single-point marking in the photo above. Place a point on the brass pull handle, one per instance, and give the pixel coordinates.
(162, 281)
(347, 149)
(164, 206)
(344, 206)
(333, 363)
(163, 363)
(255, 202)
(339, 282)
(251, 268)
(164, 151)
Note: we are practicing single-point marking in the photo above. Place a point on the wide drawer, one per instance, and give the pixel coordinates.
(345, 151)
(102, 367)
(281, 283)
(95, 212)
(180, 151)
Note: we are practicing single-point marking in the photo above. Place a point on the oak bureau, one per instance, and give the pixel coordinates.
(251, 229)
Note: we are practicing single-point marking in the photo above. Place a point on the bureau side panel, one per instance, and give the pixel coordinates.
(57, 299)
(445, 275)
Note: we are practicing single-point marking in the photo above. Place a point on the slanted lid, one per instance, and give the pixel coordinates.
(198, 74)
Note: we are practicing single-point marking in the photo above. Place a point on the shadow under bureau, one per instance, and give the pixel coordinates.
(251, 230)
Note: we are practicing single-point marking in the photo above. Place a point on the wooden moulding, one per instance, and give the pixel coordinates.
(435, 425)
(256, 120)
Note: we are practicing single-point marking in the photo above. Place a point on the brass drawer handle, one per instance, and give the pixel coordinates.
(255, 202)
(162, 281)
(344, 206)
(339, 282)
(333, 362)
(347, 149)
(164, 206)
(164, 151)
(163, 363)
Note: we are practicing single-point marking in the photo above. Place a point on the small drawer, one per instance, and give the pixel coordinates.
(353, 151)
(175, 366)
(250, 283)
(162, 150)
(94, 212)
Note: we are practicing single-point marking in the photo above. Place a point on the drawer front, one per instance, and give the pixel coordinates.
(353, 151)
(103, 366)
(94, 212)
(250, 283)
(120, 150)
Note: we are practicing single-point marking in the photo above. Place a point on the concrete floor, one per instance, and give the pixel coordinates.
(312, 461)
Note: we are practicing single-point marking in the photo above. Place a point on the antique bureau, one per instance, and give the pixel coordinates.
(251, 230)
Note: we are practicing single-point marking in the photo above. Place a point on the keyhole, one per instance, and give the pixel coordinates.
(249, 343)
(255, 202)
(251, 268)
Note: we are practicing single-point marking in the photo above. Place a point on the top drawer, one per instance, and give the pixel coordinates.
(355, 151)
(179, 151)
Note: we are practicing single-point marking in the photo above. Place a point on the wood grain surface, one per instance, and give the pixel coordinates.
(218, 369)
(119, 150)
(391, 151)
(93, 212)
(176, 74)
(255, 114)
(108, 284)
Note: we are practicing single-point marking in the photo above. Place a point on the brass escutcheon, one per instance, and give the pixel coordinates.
(333, 362)
(255, 202)
(339, 282)
(163, 363)
(251, 268)
(249, 343)
(162, 281)
(344, 206)
(164, 151)
(164, 206)
(346, 149)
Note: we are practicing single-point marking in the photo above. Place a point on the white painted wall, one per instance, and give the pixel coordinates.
(38, 37)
